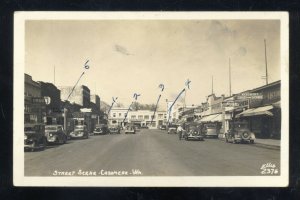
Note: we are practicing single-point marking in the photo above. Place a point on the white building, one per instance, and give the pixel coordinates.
(117, 116)
(139, 118)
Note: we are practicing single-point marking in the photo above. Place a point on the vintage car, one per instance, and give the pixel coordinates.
(55, 134)
(80, 131)
(144, 127)
(34, 137)
(130, 129)
(172, 129)
(193, 132)
(163, 127)
(210, 130)
(239, 133)
(114, 129)
(101, 129)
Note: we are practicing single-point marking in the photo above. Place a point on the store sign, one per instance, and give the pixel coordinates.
(231, 104)
(249, 95)
(38, 100)
(47, 100)
(85, 110)
(78, 115)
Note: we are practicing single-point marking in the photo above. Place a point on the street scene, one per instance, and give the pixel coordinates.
(152, 98)
(149, 153)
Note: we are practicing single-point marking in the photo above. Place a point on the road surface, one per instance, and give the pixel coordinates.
(149, 153)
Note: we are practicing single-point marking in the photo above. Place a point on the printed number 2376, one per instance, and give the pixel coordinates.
(269, 171)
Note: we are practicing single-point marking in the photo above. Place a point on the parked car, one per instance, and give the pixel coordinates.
(101, 129)
(239, 133)
(130, 129)
(210, 130)
(163, 127)
(114, 129)
(193, 132)
(80, 131)
(172, 129)
(144, 127)
(34, 137)
(55, 134)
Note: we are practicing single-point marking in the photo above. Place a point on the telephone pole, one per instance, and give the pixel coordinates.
(229, 78)
(212, 84)
(266, 60)
(54, 75)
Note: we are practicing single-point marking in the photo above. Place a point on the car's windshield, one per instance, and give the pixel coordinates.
(79, 127)
(51, 128)
(210, 126)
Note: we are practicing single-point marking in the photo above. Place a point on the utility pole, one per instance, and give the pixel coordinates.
(54, 75)
(229, 78)
(266, 60)
(212, 84)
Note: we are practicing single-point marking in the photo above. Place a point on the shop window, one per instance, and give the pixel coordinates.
(146, 117)
(140, 117)
(133, 117)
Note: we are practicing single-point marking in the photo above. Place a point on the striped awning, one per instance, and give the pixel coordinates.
(256, 112)
(211, 118)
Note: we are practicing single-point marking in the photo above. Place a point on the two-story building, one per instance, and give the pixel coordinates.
(34, 103)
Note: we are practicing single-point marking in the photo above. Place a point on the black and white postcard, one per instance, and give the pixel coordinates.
(148, 99)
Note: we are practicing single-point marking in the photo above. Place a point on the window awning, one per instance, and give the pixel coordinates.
(217, 118)
(181, 121)
(277, 104)
(256, 111)
(211, 118)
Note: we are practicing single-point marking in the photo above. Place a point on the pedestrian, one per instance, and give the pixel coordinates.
(179, 131)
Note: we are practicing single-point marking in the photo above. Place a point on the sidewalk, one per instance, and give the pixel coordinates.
(265, 143)
(268, 143)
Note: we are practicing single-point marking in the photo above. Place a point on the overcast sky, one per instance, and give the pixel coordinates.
(127, 57)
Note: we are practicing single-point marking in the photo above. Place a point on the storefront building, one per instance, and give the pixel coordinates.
(34, 103)
(53, 107)
(117, 116)
(264, 115)
(80, 95)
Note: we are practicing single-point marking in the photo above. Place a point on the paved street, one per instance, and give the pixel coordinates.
(151, 152)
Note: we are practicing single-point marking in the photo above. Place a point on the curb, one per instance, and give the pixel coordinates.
(267, 146)
(261, 145)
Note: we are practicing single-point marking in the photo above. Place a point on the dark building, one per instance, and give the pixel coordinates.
(53, 108)
(34, 108)
(95, 101)
(264, 115)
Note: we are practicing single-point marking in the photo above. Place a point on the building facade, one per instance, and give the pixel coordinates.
(139, 118)
(264, 115)
(53, 107)
(80, 95)
(34, 103)
(117, 116)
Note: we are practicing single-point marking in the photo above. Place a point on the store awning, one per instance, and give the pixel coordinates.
(277, 104)
(256, 111)
(217, 118)
(209, 118)
(181, 121)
